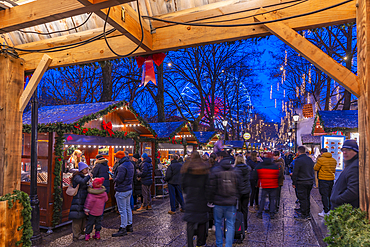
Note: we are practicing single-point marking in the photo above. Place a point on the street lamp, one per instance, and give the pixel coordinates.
(224, 123)
(295, 119)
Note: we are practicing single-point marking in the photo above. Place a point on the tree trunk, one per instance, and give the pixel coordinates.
(159, 99)
(107, 82)
(327, 98)
(347, 94)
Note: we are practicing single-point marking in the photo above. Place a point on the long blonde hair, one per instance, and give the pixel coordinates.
(76, 159)
(239, 159)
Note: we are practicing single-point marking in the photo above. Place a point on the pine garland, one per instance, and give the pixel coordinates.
(58, 200)
(23, 199)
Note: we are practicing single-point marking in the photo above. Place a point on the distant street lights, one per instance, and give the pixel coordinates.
(224, 123)
(295, 119)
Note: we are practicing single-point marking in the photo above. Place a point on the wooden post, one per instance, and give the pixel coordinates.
(11, 87)
(363, 69)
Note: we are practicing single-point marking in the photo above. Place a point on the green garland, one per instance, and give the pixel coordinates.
(23, 199)
(58, 200)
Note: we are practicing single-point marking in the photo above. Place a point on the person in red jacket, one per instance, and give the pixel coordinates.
(268, 175)
(94, 207)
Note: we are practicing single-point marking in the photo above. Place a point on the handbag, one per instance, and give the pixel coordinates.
(72, 191)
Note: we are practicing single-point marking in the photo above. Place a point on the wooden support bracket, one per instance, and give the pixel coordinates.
(34, 81)
(312, 53)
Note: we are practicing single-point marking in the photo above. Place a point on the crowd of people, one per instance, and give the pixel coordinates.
(217, 189)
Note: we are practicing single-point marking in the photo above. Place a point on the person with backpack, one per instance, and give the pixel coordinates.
(223, 191)
(173, 178)
(245, 170)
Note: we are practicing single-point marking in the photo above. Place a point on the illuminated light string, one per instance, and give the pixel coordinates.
(275, 103)
(271, 92)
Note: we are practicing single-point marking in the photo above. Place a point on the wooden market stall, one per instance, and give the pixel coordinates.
(174, 137)
(94, 128)
(206, 140)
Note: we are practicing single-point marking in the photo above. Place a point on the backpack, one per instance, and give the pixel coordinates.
(227, 183)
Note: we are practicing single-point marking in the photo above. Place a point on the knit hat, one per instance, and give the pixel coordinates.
(144, 155)
(82, 166)
(350, 144)
(136, 156)
(324, 150)
(120, 154)
(99, 156)
(98, 182)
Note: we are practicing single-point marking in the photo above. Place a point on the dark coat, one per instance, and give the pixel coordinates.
(253, 165)
(77, 207)
(137, 181)
(303, 172)
(173, 175)
(124, 175)
(245, 171)
(346, 188)
(101, 170)
(281, 164)
(214, 187)
(146, 173)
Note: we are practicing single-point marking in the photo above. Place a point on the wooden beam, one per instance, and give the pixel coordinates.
(313, 54)
(363, 70)
(43, 11)
(34, 81)
(176, 37)
(11, 84)
(126, 20)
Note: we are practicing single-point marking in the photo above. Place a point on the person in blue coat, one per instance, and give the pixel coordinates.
(76, 212)
(146, 175)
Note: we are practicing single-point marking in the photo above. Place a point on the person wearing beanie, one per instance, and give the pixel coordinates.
(76, 212)
(94, 207)
(325, 166)
(137, 182)
(101, 170)
(346, 188)
(123, 177)
(146, 175)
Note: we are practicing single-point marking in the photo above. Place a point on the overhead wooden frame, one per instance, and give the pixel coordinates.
(43, 11)
(312, 53)
(176, 37)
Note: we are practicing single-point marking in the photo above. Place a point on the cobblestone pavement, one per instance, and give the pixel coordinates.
(157, 228)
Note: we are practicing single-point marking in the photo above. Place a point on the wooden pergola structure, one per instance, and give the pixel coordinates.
(282, 18)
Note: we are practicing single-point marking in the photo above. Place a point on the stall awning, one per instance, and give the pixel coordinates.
(170, 146)
(234, 144)
(72, 139)
(204, 136)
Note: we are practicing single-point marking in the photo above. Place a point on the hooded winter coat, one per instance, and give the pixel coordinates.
(173, 175)
(137, 181)
(245, 171)
(326, 166)
(215, 186)
(195, 175)
(346, 188)
(77, 207)
(101, 170)
(268, 174)
(124, 175)
(96, 200)
(146, 173)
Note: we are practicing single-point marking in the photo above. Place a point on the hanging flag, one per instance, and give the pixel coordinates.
(148, 69)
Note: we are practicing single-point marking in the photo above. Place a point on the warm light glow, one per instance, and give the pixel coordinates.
(224, 123)
(101, 119)
(295, 117)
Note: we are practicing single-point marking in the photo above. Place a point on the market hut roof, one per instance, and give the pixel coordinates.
(234, 144)
(204, 136)
(66, 113)
(338, 120)
(166, 129)
(310, 139)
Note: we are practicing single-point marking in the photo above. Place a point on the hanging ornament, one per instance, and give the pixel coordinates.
(148, 69)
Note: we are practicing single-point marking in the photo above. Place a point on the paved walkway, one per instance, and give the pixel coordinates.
(158, 228)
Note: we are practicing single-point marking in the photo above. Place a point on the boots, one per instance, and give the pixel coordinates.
(97, 235)
(129, 228)
(142, 208)
(149, 207)
(87, 237)
(121, 232)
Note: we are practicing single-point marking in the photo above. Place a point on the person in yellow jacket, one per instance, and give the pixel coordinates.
(325, 166)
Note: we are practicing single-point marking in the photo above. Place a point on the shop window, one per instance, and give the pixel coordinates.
(42, 170)
(42, 144)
